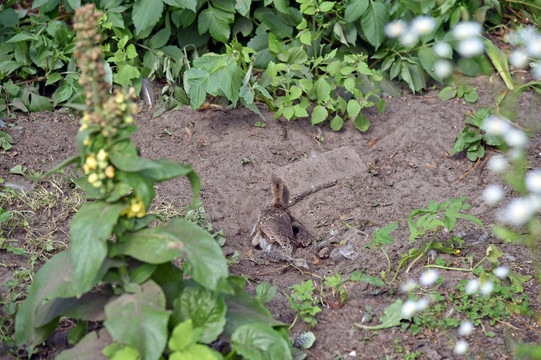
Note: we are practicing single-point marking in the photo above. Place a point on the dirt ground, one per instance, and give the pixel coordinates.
(405, 154)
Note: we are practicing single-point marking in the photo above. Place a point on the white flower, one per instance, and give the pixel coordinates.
(527, 34)
(472, 287)
(443, 49)
(409, 308)
(471, 47)
(465, 329)
(533, 181)
(395, 28)
(495, 126)
(467, 29)
(443, 68)
(493, 194)
(422, 304)
(535, 201)
(429, 277)
(409, 39)
(536, 70)
(501, 272)
(408, 286)
(461, 347)
(487, 288)
(533, 47)
(518, 211)
(498, 163)
(515, 138)
(423, 25)
(518, 59)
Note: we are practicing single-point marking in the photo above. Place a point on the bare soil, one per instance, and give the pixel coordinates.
(406, 164)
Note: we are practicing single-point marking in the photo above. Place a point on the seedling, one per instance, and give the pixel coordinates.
(303, 302)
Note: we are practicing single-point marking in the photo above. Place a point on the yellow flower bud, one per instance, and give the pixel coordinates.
(128, 119)
(136, 207)
(97, 184)
(91, 162)
(92, 178)
(86, 142)
(110, 172)
(83, 127)
(102, 155)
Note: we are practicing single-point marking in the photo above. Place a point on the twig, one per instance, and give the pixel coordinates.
(469, 171)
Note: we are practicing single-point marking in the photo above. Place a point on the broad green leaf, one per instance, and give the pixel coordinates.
(54, 279)
(140, 320)
(188, 4)
(257, 341)
(146, 14)
(160, 38)
(319, 114)
(353, 108)
(493, 253)
(243, 7)
(427, 59)
(306, 37)
(326, 6)
(361, 123)
(216, 22)
(499, 60)
(165, 169)
(355, 9)
(471, 96)
(336, 123)
(89, 348)
(392, 317)
(199, 85)
(125, 75)
(179, 237)
(89, 231)
(382, 236)
(22, 37)
(229, 81)
(414, 75)
(447, 93)
(205, 308)
(123, 155)
(373, 21)
(359, 276)
(517, 280)
(183, 336)
(323, 89)
(39, 103)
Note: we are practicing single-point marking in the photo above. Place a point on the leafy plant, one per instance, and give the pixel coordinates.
(472, 139)
(380, 238)
(130, 285)
(302, 301)
(6, 141)
(335, 284)
(463, 91)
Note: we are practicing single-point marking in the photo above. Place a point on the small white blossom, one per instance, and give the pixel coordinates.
(493, 194)
(533, 47)
(516, 138)
(495, 126)
(443, 49)
(472, 287)
(501, 272)
(471, 47)
(465, 329)
(519, 59)
(423, 25)
(409, 39)
(466, 30)
(461, 347)
(429, 277)
(487, 288)
(443, 68)
(527, 34)
(498, 164)
(395, 28)
(422, 304)
(533, 181)
(408, 286)
(518, 212)
(409, 308)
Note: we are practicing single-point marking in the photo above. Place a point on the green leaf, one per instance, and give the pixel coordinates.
(493, 253)
(257, 341)
(184, 336)
(205, 308)
(359, 276)
(319, 114)
(77, 333)
(506, 234)
(216, 22)
(517, 280)
(125, 75)
(336, 123)
(123, 155)
(323, 89)
(266, 292)
(382, 236)
(361, 123)
(353, 108)
(392, 317)
(447, 93)
(89, 348)
(52, 280)
(471, 96)
(140, 320)
(39, 103)
(146, 14)
(160, 38)
(373, 21)
(89, 230)
(188, 4)
(22, 37)
(179, 237)
(355, 9)
(243, 7)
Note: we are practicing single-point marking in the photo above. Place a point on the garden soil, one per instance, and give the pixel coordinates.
(343, 185)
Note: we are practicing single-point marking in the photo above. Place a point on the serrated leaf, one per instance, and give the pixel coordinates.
(493, 253)
(319, 114)
(373, 21)
(179, 237)
(125, 75)
(392, 317)
(89, 230)
(140, 320)
(353, 108)
(146, 14)
(216, 22)
(243, 7)
(517, 280)
(355, 9)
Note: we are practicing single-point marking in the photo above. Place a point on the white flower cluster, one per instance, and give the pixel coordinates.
(528, 50)
(412, 307)
(468, 35)
(520, 210)
(409, 34)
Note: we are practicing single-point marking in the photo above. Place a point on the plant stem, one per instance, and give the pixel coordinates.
(448, 268)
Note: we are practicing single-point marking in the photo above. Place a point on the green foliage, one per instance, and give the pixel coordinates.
(302, 301)
(5, 141)
(463, 91)
(472, 139)
(146, 304)
(392, 316)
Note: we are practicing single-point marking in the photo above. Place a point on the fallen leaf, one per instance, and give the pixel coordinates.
(432, 166)
(373, 141)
